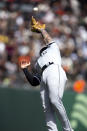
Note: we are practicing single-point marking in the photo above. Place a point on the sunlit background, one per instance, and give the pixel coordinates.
(66, 22)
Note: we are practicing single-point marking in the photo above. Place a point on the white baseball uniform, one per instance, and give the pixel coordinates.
(53, 79)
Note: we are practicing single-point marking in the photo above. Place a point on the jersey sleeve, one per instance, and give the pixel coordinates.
(34, 80)
(53, 45)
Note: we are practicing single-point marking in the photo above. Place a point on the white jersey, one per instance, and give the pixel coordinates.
(51, 53)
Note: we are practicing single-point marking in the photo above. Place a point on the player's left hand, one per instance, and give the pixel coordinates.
(36, 26)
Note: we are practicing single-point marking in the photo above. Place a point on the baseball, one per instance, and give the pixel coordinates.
(35, 9)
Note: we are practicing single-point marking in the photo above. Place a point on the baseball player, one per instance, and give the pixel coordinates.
(51, 77)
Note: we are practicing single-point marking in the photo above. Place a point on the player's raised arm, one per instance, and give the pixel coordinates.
(23, 64)
(40, 28)
(46, 36)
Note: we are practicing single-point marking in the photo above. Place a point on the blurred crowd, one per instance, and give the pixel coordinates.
(66, 22)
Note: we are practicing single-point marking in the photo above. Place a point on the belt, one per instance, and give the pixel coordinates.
(45, 66)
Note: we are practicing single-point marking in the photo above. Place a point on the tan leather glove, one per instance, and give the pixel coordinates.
(36, 26)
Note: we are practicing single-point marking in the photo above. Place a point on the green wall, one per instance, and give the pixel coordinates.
(21, 110)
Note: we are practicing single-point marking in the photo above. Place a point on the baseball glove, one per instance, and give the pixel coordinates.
(23, 61)
(36, 26)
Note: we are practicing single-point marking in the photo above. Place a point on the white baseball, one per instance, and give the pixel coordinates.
(35, 9)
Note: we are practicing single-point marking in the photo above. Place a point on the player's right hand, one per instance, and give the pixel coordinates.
(24, 61)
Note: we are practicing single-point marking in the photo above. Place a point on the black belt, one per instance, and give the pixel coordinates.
(45, 66)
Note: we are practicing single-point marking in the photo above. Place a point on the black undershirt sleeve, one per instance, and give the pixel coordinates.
(33, 80)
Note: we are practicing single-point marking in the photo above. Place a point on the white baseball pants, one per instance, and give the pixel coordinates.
(51, 90)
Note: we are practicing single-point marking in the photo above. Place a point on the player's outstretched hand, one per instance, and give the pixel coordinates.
(36, 26)
(24, 61)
